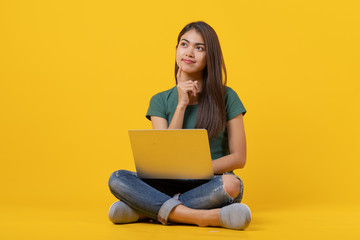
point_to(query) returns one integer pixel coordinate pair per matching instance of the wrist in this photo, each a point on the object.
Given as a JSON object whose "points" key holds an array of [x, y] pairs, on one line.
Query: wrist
{"points": [[181, 107]]}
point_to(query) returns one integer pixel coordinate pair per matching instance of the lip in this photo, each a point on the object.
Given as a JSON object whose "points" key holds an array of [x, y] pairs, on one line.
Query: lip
{"points": [[188, 61]]}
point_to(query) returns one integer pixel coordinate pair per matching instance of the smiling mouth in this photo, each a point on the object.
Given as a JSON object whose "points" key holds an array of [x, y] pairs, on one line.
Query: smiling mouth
{"points": [[187, 61]]}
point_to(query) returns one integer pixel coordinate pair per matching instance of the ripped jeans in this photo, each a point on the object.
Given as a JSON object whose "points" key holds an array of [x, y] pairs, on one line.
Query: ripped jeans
{"points": [[155, 198]]}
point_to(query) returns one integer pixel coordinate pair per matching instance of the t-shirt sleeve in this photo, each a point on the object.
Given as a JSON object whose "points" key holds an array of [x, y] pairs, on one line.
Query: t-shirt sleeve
{"points": [[156, 107], [234, 106]]}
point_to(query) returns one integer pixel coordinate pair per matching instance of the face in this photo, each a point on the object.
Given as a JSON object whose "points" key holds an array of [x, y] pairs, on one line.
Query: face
{"points": [[191, 52]]}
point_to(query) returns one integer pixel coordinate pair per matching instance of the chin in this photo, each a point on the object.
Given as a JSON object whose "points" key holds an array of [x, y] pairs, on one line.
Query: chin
{"points": [[189, 69]]}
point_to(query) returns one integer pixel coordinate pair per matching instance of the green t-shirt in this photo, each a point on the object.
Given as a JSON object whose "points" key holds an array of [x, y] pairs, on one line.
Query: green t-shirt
{"points": [[164, 105]]}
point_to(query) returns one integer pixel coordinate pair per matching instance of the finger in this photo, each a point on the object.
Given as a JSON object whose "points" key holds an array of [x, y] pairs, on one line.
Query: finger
{"points": [[196, 85], [190, 84], [190, 88], [178, 75]]}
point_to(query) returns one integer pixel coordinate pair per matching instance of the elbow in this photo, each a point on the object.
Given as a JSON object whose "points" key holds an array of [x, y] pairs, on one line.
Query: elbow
{"points": [[241, 161]]}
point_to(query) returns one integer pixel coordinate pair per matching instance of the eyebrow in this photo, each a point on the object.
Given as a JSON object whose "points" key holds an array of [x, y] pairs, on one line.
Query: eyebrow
{"points": [[183, 39]]}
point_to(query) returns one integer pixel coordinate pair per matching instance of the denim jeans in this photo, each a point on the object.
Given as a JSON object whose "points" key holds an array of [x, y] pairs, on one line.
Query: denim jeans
{"points": [[156, 198]]}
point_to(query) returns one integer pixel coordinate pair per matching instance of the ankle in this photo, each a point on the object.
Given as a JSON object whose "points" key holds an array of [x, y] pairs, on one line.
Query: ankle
{"points": [[209, 218]]}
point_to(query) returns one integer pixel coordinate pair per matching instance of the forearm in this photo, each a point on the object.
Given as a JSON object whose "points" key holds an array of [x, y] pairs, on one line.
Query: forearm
{"points": [[178, 118], [228, 163]]}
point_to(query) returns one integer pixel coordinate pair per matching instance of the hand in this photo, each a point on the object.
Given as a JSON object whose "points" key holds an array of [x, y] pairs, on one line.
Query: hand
{"points": [[186, 89]]}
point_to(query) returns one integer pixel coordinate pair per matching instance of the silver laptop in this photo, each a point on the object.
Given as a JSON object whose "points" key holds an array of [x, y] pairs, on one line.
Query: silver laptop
{"points": [[172, 154]]}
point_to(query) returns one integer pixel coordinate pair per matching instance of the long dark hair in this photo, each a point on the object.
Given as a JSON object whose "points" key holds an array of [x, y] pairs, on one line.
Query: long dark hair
{"points": [[211, 113]]}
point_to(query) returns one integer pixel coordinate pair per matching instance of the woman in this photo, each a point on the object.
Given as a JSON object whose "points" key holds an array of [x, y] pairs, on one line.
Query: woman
{"points": [[199, 100]]}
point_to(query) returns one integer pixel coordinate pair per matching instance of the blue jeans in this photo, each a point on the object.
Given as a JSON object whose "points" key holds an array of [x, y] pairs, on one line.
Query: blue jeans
{"points": [[156, 198]]}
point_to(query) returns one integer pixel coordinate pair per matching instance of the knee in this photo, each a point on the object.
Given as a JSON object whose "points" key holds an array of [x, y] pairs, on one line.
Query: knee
{"points": [[121, 174], [232, 185], [116, 178]]}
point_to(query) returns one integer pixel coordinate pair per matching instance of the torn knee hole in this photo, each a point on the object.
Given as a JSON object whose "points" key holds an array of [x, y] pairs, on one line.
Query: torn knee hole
{"points": [[231, 185]]}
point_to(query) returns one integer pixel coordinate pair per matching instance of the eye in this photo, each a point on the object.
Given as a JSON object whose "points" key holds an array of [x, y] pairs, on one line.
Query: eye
{"points": [[183, 44], [200, 48]]}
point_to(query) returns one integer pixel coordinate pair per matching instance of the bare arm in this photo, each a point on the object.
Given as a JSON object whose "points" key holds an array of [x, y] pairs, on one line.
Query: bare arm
{"points": [[184, 90], [159, 122], [176, 122], [237, 146]]}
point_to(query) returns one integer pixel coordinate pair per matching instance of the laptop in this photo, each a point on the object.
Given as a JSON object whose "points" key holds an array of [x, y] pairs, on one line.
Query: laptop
{"points": [[171, 154]]}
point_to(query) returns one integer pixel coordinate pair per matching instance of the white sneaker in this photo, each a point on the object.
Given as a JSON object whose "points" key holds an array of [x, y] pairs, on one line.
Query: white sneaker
{"points": [[235, 216], [120, 212]]}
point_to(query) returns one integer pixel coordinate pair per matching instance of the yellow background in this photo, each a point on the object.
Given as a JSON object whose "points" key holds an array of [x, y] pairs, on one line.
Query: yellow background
{"points": [[76, 75]]}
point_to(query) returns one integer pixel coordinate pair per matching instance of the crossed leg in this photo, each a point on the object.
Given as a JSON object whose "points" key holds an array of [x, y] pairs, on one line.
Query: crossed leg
{"points": [[206, 217], [200, 205]]}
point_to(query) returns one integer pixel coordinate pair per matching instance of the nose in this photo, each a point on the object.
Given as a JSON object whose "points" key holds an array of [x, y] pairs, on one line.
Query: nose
{"points": [[190, 52]]}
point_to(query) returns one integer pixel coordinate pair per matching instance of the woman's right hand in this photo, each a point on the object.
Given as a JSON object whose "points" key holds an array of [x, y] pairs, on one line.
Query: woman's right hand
{"points": [[186, 89]]}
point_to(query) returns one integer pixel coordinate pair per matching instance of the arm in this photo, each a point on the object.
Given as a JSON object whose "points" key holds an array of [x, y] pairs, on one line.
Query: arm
{"points": [[237, 146], [176, 122], [159, 122], [184, 90]]}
